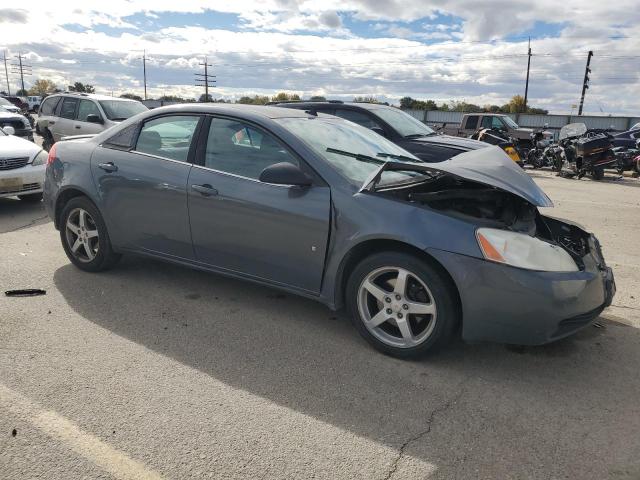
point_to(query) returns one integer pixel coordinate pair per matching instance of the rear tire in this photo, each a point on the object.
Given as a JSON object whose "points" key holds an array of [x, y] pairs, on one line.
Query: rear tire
{"points": [[84, 236], [406, 319], [32, 198], [47, 140], [597, 173]]}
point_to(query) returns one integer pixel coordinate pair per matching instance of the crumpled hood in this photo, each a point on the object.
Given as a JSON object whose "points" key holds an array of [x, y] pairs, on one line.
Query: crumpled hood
{"points": [[461, 143], [13, 147], [492, 166], [489, 166]]}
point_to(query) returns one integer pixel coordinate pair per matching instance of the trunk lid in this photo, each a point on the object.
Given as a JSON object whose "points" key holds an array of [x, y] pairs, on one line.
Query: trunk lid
{"points": [[488, 166]]}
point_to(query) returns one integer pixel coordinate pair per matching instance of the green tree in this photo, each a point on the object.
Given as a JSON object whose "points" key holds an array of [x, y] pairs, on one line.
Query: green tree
{"points": [[205, 98], [255, 100], [82, 88], [22, 93], [42, 87], [317, 98], [366, 99], [516, 104], [285, 97]]}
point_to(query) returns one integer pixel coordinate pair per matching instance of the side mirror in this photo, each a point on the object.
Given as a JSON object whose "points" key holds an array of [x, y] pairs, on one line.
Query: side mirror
{"points": [[285, 173], [9, 130], [93, 118]]}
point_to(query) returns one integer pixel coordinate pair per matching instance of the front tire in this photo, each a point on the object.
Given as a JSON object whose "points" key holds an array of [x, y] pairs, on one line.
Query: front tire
{"points": [[84, 236], [401, 304]]}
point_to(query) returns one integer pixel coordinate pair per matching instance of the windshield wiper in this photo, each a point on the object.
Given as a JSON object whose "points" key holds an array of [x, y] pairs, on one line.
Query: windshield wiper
{"points": [[358, 156], [370, 159], [403, 158]]}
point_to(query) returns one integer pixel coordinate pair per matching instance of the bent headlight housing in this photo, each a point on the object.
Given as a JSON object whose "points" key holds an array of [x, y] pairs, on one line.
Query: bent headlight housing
{"points": [[40, 158], [522, 251]]}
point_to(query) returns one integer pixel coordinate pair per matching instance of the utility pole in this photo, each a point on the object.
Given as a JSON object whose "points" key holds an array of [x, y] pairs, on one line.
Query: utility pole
{"points": [[585, 82], [202, 79], [526, 87], [6, 73], [22, 69], [144, 71]]}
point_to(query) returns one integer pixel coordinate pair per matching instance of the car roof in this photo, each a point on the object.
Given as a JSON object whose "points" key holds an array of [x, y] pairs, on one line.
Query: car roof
{"points": [[91, 96], [333, 103], [264, 111]]}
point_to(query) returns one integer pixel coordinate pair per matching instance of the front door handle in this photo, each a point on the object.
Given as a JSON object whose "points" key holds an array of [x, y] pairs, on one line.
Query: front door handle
{"points": [[108, 167], [78, 127], [205, 190]]}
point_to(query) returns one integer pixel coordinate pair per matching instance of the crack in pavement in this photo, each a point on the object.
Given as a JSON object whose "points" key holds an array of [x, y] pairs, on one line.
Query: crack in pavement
{"points": [[30, 224], [442, 408]]}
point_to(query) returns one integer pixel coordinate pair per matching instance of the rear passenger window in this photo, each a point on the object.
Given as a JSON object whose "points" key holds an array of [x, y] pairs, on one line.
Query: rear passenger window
{"points": [[168, 137], [49, 106], [69, 108], [241, 149]]}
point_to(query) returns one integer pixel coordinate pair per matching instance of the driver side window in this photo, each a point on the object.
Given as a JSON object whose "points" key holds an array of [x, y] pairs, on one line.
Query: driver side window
{"points": [[241, 149]]}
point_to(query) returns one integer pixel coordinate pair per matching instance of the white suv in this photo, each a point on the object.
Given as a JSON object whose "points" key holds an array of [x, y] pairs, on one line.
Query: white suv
{"points": [[69, 114]]}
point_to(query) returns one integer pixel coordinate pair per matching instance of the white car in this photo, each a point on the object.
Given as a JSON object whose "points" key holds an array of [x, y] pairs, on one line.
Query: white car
{"points": [[22, 167]]}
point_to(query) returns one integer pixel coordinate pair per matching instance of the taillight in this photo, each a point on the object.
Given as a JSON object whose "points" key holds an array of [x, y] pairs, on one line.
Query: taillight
{"points": [[52, 154]]}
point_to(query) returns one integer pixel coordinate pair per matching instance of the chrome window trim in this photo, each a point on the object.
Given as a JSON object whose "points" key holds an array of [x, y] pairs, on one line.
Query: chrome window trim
{"points": [[255, 180]]}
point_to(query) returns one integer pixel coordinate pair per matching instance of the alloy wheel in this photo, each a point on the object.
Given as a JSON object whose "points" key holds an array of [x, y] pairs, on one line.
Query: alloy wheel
{"points": [[81, 234], [397, 307]]}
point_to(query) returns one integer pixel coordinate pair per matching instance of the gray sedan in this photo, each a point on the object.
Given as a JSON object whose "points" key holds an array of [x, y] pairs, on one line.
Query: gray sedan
{"points": [[324, 208]]}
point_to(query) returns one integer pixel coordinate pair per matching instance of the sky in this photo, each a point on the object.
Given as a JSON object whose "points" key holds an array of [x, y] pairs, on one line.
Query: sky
{"points": [[461, 50]]}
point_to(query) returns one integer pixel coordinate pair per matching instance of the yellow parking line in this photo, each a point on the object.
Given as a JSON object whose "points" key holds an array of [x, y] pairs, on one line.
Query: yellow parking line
{"points": [[89, 446]]}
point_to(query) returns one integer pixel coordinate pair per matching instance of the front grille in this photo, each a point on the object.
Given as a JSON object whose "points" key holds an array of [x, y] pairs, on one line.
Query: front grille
{"points": [[11, 163], [25, 188]]}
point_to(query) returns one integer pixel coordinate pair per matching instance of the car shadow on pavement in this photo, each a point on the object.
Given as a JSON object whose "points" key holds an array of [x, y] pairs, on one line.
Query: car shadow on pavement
{"points": [[555, 405], [16, 214]]}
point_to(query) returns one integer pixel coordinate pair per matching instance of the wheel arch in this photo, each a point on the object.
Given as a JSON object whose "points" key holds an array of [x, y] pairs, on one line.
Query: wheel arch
{"points": [[370, 247], [64, 197]]}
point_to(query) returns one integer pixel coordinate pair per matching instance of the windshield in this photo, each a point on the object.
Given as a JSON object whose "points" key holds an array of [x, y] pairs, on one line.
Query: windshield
{"points": [[322, 133], [402, 122], [121, 109], [572, 130], [510, 123]]}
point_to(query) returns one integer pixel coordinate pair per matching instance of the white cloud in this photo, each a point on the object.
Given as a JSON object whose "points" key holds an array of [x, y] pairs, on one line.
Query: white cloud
{"points": [[305, 46]]}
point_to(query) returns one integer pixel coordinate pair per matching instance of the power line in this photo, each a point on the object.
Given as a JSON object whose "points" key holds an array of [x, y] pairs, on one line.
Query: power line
{"points": [[6, 73], [22, 69], [585, 83], [203, 79]]}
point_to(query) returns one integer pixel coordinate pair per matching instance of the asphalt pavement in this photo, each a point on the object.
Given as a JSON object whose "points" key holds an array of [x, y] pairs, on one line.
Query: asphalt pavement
{"points": [[155, 371]]}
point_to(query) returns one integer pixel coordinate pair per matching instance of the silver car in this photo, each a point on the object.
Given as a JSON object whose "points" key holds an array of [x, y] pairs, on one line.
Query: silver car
{"points": [[69, 114]]}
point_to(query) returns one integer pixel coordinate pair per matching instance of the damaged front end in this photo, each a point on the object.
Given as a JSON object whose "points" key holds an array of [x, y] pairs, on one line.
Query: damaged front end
{"points": [[533, 278]]}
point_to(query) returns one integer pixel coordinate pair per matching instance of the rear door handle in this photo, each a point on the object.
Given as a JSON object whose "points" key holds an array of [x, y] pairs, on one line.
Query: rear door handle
{"points": [[51, 123], [78, 126], [205, 190], [108, 167]]}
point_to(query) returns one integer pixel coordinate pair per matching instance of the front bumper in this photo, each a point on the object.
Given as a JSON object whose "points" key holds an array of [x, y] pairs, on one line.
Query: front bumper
{"points": [[511, 305], [22, 181]]}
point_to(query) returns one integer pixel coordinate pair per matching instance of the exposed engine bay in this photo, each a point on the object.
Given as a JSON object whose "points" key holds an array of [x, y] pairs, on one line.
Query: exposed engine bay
{"points": [[491, 207]]}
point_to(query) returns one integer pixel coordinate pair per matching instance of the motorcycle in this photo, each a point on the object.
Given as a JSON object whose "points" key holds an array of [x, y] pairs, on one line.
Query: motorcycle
{"points": [[496, 137], [626, 157], [585, 152], [543, 152]]}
